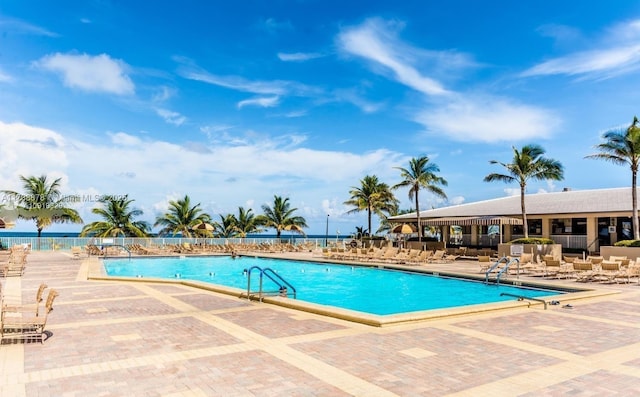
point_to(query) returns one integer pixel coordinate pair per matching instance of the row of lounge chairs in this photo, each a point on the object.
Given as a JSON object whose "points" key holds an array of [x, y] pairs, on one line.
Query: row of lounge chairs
{"points": [[14, 261], [590, 269], [388, 255], [189, 248], [26, 322]]}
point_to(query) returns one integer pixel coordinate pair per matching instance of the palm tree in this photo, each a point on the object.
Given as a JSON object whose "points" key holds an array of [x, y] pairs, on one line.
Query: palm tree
{"points": [[528, 164], [623, 147], [281, 215], [227, 227], [43, 203], [421, 174], [372, 196], [118, 220], [247, 222], [181, 218]]}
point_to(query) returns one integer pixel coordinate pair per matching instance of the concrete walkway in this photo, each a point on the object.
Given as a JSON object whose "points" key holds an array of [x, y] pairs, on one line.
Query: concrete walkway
{"points": [[144, 339]]}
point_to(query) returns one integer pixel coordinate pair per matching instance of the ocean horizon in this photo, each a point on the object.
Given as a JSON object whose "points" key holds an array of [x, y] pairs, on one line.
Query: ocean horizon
{"points": [[284, 235]]}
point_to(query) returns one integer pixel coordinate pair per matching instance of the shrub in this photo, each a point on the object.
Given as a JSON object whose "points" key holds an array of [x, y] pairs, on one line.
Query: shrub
{"points": [[627, 243], [532, 240]]}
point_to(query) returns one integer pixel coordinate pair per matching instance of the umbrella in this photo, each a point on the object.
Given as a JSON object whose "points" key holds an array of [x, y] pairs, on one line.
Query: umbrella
{"points": [[404, 228], [203, 227], [294, 228]]}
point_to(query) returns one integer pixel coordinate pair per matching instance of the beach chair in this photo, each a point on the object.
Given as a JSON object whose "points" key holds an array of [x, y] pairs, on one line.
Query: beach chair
{"points": [[485, 263], [27, 328], [29, 307]]}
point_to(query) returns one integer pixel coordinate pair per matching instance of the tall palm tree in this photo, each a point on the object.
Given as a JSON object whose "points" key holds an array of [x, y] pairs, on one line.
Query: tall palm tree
{"points": [[528, 164], [622, 147], [372, 196], [227, 227], [281, 215], [43, 203], [247, 222], [421, 174], [118, 220], [181, 217]]}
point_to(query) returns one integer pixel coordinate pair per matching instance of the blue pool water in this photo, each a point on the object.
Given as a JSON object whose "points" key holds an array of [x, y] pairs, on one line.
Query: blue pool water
{"points": [[365, 289]]}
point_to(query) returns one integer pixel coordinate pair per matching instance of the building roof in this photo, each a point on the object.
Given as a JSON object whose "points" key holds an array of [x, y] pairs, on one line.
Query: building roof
{"points": [[565, 202]]}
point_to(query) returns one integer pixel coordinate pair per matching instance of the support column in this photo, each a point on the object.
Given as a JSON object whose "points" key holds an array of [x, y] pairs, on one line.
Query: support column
{"points": [[592, 233]]}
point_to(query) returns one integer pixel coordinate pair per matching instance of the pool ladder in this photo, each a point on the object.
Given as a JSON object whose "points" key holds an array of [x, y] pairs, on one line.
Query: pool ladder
{"points": [[500, 271], [284, 288]]}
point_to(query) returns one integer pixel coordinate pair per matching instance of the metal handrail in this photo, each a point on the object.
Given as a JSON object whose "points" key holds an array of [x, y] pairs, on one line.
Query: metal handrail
{"points": [[521, 297], [506, 267], [273, 276], [486, 275], [116, 245]]}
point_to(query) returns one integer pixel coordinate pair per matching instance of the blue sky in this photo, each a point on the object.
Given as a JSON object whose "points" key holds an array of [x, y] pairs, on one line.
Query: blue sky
{"points": [[235, 102]]}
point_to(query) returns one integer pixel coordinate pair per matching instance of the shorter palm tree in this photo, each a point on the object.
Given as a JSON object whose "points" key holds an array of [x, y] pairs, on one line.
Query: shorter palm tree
{"points": [[182, 218], [372, 196], [281, 215], [118, 220], [247, 222], [43, 203], [227, 227]]}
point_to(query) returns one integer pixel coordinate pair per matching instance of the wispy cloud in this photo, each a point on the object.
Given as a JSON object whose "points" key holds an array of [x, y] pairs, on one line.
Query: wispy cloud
{"points": [[98, 73], [377, 42], [171, 117], [21, 27], [354, 98], [264, 102], [4, 77], [488, 119], [616, 52], [298, 56]]}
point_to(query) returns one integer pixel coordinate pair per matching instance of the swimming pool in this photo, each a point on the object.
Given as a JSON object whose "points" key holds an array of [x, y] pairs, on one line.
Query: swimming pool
{"points": [[364, 289]]}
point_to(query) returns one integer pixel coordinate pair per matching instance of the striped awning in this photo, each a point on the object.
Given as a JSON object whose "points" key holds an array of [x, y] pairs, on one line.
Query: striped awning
{"points": [[472, 220]]}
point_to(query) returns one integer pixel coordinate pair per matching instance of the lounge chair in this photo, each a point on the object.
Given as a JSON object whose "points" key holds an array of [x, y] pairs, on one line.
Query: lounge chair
{"points": [[27, 328], [76, 252], [437, 257], [485, 263], [584, 271], [608, 271], [633, 270], [29, 307]]}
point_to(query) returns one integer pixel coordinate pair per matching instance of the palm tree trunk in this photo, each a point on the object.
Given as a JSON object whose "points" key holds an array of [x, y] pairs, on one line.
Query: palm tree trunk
{"points": [[634, 203], [369, 219], [418, 219], [525, 224]]}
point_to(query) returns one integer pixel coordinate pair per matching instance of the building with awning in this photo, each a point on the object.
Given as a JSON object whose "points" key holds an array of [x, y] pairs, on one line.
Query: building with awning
{"points": [[578, 219]]}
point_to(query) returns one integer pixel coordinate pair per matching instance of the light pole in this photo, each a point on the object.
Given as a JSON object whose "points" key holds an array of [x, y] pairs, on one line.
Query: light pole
{"points": [[326, 233]]}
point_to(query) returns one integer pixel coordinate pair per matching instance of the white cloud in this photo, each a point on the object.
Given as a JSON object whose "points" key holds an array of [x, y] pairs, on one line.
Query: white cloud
{"points": [[298, 56], [228, 175], [236, 82], [98, 73], [376, 42], [264, 102], [124, 139], [171, 117], [616, 52], [28, 150], [22, 27], [600, 63], [488, 119]]}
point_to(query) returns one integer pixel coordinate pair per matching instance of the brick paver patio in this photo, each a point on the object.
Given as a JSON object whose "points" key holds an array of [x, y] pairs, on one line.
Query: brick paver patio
{"points": [[113, 338]]}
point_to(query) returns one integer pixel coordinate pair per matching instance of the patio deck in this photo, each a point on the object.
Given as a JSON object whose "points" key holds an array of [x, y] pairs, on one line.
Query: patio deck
{"points": [[110, 338]]}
